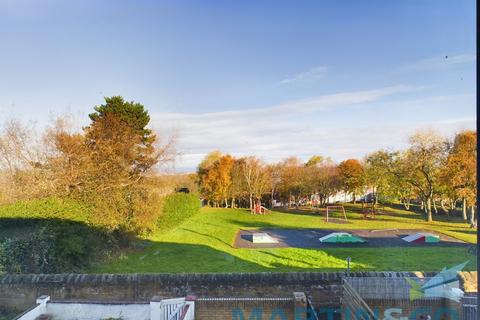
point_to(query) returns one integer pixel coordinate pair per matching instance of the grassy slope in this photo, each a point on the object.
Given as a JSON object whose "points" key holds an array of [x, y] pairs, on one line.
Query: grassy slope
{"points": [[204, 244]]}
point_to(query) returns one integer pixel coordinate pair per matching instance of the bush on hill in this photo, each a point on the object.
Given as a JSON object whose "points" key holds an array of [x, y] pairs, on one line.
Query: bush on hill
{"points": [[50, 235], [52, 246], [178, 207]]}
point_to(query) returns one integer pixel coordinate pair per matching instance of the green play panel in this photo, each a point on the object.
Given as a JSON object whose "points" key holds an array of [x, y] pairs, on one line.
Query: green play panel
{"points": [[341, 237]]}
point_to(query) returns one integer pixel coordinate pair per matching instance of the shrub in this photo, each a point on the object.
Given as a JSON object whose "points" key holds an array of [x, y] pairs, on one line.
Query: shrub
{"points": [[178, 207], [134, 210], [27, 255], [54, 246]]}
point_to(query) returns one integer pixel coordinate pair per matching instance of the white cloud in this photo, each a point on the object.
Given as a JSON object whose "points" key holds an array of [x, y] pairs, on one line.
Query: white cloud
{"points": [[309, 75], [441, 61], [298, 128], [305, 105]]}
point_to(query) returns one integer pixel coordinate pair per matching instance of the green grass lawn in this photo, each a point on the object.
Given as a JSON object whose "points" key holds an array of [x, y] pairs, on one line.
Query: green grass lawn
{"points": [[204, 243]]}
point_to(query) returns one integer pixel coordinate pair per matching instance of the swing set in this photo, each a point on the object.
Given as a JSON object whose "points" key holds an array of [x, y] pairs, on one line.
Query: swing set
{"points": [[370, 209]]}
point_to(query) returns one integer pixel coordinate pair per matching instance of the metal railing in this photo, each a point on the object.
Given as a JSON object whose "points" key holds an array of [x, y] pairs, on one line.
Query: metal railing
{"points": [[355, 304], [469, 308]]}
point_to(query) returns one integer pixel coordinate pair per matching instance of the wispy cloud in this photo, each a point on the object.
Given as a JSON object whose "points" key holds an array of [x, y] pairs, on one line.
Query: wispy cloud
{"points": [[296, 127], [441, 61], [309, 75], [322, 102], [286, 138]]}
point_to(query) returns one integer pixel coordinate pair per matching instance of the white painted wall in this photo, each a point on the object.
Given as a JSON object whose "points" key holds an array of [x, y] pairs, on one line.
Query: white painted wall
{"points": [[32, 314], [155, 310], [340, 197], [89, 311], [38, 310]]}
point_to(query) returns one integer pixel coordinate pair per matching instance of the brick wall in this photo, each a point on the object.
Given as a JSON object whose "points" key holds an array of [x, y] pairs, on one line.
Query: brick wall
{"points": [[229, 309], [415, 308]]}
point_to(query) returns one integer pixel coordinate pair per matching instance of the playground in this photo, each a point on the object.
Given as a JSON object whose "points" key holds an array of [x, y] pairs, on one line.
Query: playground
{"points": [[309, 238], [211, 241]]}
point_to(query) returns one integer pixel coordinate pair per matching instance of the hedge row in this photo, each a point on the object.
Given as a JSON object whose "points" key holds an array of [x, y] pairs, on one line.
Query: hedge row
{"points": [[47, 208], [178, 207]]}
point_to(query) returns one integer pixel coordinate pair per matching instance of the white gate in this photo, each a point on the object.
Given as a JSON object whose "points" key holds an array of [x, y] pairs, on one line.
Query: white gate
{"points": [[176, 309]]}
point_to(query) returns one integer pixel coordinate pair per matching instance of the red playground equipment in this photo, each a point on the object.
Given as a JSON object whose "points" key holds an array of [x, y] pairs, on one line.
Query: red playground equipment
{"points": [[258, 208]]}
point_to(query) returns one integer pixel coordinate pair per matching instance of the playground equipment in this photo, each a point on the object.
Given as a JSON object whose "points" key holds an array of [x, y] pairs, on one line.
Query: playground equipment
{"points": [[371, 209], [262, 237], [337, 208], [341, 237], [259, 209], [422, 238]]}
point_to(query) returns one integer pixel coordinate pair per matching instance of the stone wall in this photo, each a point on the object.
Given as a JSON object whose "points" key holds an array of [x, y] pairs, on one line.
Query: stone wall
{"points": [[20, 291], [324, 289]]}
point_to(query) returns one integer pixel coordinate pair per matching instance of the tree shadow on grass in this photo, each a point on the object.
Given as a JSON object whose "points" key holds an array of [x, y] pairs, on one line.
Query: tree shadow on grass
{"points": [[20, 227], [436, 217], [208, 236], [302, 212], [92, 244], [163, 257], [472, 232], [354, 213], [386, 211], [414, 213], [258, 224], [288, 259], [35, 245], [172, 257]]}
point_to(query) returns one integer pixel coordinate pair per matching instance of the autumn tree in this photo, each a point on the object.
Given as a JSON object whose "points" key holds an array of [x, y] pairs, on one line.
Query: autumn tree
{"points": [[460, 170], [257, 178], [322, 177], [209, 160], [314, 161], [292, 179], [109, 165], [238, 188], [351, 176], [220, 177], [263, 184], [22, 163], [376, 173], [205, 182], [69, 158], [420, 165], [399, 187], [275, 180]]}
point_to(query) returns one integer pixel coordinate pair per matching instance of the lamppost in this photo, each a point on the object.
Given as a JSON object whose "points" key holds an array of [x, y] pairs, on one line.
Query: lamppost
{"points": [[348, 266]]}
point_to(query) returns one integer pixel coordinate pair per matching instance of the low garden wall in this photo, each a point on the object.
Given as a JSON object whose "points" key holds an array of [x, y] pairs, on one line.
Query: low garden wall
{"points": [[19, 292]]}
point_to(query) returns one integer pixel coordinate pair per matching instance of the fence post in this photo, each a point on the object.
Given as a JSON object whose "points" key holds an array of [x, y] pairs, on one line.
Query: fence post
{"points": [[190, 300], [155, 313], [299, 305], [42, 302]]}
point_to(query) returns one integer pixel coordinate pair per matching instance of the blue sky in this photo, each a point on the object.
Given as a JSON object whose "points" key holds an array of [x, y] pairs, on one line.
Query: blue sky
{"points": [[271, 78]]}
